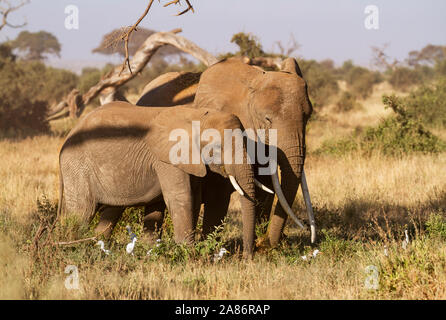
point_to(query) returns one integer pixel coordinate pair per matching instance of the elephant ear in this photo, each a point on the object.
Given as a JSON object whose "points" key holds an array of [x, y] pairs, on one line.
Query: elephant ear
{"points": [[290, 65], [171, 131]]}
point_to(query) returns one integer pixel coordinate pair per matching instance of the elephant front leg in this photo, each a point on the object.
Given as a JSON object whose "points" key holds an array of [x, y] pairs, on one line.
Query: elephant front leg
{"points": [[177, 194]]}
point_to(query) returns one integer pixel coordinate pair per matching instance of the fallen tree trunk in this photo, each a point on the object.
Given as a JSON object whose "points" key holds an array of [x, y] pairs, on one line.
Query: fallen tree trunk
{"points": [[74, 103]]}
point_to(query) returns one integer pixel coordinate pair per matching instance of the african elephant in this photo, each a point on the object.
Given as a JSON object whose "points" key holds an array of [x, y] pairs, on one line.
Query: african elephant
{"points": [[121, 155], [262, 100]]}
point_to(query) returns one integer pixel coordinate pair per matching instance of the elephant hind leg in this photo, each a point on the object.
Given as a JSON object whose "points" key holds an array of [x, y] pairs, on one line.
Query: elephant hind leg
{"points": [[79, 203], [109, 217]]}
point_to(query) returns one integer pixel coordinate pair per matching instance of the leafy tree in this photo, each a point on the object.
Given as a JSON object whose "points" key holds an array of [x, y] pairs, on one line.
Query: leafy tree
{"points": [[403, 78], [430, 54], [360, 81], [428, 104], [36, 45], [19, 113], [248, 45], [321, 81]]}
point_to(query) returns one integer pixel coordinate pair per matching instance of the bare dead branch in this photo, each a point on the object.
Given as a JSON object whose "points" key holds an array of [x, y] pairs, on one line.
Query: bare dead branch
{"points": [[4, 12], [127, 35], [189, 6], [64, 243], [128, 32], [74, 103], [381, 59]]}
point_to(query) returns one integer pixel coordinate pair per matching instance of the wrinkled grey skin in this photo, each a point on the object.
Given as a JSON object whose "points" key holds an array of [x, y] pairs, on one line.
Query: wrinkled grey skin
{"points": [[261, 100], [118, 156]]}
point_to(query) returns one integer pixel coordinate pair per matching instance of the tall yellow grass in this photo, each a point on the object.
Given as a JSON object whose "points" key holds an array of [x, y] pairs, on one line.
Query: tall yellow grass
{"points": [[345, 188]]}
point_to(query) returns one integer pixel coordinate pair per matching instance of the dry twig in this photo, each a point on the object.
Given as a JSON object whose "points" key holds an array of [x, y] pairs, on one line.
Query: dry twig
{"points": [[64, 243], [4, 12], [127, 35], [189, 6], [128, 31]]}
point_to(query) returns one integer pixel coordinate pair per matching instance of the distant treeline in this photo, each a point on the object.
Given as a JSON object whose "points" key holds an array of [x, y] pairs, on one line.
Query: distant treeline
{"points": [[28, 87]]}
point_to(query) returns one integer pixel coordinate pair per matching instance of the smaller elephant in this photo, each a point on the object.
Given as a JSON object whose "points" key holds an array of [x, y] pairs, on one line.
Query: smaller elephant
{"points": [[120, 155]]}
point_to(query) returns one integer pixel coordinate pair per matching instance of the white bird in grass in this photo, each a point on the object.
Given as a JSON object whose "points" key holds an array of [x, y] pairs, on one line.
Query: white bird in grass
{"points": [[406, 239], [130, 246], [313, 255], [133, 239], [220, 254], [101, 244]]}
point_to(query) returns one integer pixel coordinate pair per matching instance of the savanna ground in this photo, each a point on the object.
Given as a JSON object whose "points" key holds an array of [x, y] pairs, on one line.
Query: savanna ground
{"points": [[363, 204]]}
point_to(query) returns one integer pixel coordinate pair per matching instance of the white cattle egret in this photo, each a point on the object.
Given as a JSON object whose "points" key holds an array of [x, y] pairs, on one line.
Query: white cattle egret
{"points": [[220, 254], [130, 246], [406, 240], [102, 246]]}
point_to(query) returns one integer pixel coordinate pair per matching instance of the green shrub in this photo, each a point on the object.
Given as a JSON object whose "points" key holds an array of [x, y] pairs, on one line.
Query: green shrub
{"points": [[88, 78], [428, 104], [440, 68], [436, 226], [321, 81], [403, 78], [396, 135], [360, 81], [20, 113]]}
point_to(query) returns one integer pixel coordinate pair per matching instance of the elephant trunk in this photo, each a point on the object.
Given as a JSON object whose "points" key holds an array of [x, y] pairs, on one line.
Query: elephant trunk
{"points": [[243, 177], [291, 157]]}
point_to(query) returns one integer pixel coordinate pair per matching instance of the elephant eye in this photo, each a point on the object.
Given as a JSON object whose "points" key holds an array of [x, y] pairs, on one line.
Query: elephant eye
{"points": [[269, 120]]}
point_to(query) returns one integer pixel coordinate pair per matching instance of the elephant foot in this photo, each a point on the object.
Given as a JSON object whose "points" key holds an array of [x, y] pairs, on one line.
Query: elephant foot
{"points": [[109, 216]]}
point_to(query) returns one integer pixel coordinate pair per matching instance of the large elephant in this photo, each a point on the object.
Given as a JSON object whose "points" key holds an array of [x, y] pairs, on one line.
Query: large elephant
{"points": [[121, 155], [262, 100]]}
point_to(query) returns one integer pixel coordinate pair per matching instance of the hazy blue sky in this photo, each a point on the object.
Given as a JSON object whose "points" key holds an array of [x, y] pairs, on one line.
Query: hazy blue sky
{"points": [[324, 28]]}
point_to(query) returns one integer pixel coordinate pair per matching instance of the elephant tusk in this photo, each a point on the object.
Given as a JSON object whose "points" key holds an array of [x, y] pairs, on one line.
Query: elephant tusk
{"points": [[283, 201], [263, 187], [306, 195], [235, 185]]}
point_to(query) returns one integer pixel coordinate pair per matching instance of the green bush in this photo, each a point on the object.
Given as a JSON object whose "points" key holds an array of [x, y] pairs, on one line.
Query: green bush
{"points": [[403, 78], [26, 91], [396, 135], [360, 81], [436, 226], [20, 113], [428, 104], [321, 81], [88, 78]]}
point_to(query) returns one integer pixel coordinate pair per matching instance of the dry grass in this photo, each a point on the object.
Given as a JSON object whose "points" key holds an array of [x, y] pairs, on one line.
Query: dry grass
{"points": [[362, 204]]}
